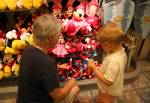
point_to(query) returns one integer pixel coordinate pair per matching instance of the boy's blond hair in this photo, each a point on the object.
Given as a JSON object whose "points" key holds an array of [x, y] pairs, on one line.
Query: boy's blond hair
{"points": [[110, 32]]}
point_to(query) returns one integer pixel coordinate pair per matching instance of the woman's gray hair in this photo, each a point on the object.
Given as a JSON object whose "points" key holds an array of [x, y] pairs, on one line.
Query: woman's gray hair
{"points": [[45, 26]]}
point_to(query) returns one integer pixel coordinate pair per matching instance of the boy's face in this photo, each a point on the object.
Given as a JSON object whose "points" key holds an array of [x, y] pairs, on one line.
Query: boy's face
{"points": [[106, 46]]}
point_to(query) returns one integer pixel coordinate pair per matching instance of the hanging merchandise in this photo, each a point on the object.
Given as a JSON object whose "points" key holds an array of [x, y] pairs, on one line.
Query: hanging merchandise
{"points": [[12, 4], [142, 18], [3, 5], [120, 11], [27, 4], [37, 3]]}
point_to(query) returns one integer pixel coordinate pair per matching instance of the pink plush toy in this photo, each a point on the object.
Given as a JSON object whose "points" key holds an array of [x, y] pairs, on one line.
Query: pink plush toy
{"points": [[77, 23], [92, 19], [60, 49], [57, 8], [85, 4]]}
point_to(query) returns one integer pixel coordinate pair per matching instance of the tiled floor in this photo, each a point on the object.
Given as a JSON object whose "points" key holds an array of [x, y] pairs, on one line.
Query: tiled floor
{"points": [[136, 92]]}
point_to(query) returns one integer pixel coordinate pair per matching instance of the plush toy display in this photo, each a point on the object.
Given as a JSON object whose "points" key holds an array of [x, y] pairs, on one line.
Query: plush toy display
{"points": [[77, 43], [3, 5]]}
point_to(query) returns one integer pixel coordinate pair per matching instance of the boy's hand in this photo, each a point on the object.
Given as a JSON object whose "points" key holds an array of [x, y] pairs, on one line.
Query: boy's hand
{"points": [[91, 65], [71, 83]]}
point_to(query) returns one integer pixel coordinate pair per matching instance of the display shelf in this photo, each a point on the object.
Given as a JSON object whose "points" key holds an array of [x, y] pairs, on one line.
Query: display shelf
{"points": [[11, 91], [17, 10]]}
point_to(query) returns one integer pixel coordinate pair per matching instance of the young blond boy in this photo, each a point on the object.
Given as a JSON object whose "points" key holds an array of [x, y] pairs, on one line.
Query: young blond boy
{"points": [[111, 73]]}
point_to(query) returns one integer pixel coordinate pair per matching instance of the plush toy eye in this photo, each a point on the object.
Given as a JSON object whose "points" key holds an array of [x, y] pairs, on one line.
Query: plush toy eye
{"points": [[80, 15]]}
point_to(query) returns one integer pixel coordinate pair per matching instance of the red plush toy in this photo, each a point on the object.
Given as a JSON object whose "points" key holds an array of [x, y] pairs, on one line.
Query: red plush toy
{"points": [[69, 45], [57, 8], [69, 12]]}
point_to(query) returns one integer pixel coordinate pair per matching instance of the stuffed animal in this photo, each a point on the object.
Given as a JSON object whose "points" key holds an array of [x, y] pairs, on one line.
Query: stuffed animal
{"points": [[77, 23], [27, 3], [19, 4], [10, 36], [69, 12], [45, 2], [2, 44], [7, 71], [8, 59], [11, 50], [18, 44], [12, 4], [60, 49], [92, 19], [15, 68], [57, 8], [24, 35], [2, 74], [37, 3], [85, 5], [3, 5], [31, 40]]}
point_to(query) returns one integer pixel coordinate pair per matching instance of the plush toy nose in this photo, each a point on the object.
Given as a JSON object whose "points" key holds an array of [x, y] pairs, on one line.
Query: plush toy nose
{"points": [[80, 15]]}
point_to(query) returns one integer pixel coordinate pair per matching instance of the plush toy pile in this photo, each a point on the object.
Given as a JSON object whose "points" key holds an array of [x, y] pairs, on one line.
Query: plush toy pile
{"points": [[76, 45]]}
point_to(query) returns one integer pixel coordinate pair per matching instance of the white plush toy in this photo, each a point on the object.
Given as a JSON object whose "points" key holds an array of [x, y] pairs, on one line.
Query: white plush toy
{"points": [[11, 35]]}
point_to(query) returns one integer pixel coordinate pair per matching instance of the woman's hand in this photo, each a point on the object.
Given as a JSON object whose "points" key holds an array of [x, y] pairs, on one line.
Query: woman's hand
{"points": [[62, 66]]}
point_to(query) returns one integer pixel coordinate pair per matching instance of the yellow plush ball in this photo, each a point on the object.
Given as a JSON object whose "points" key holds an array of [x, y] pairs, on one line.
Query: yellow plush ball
{"points": [[12, 4], [31, 40], [27, 4], [7, 71], [18, 44], [3, 5], [2, 74], [11, 50], [2, 46], [16, 73], [37, 3], [7, 74]]}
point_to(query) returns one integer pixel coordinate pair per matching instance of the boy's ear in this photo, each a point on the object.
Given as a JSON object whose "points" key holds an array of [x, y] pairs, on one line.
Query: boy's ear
{"points": [[106, 43]]}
